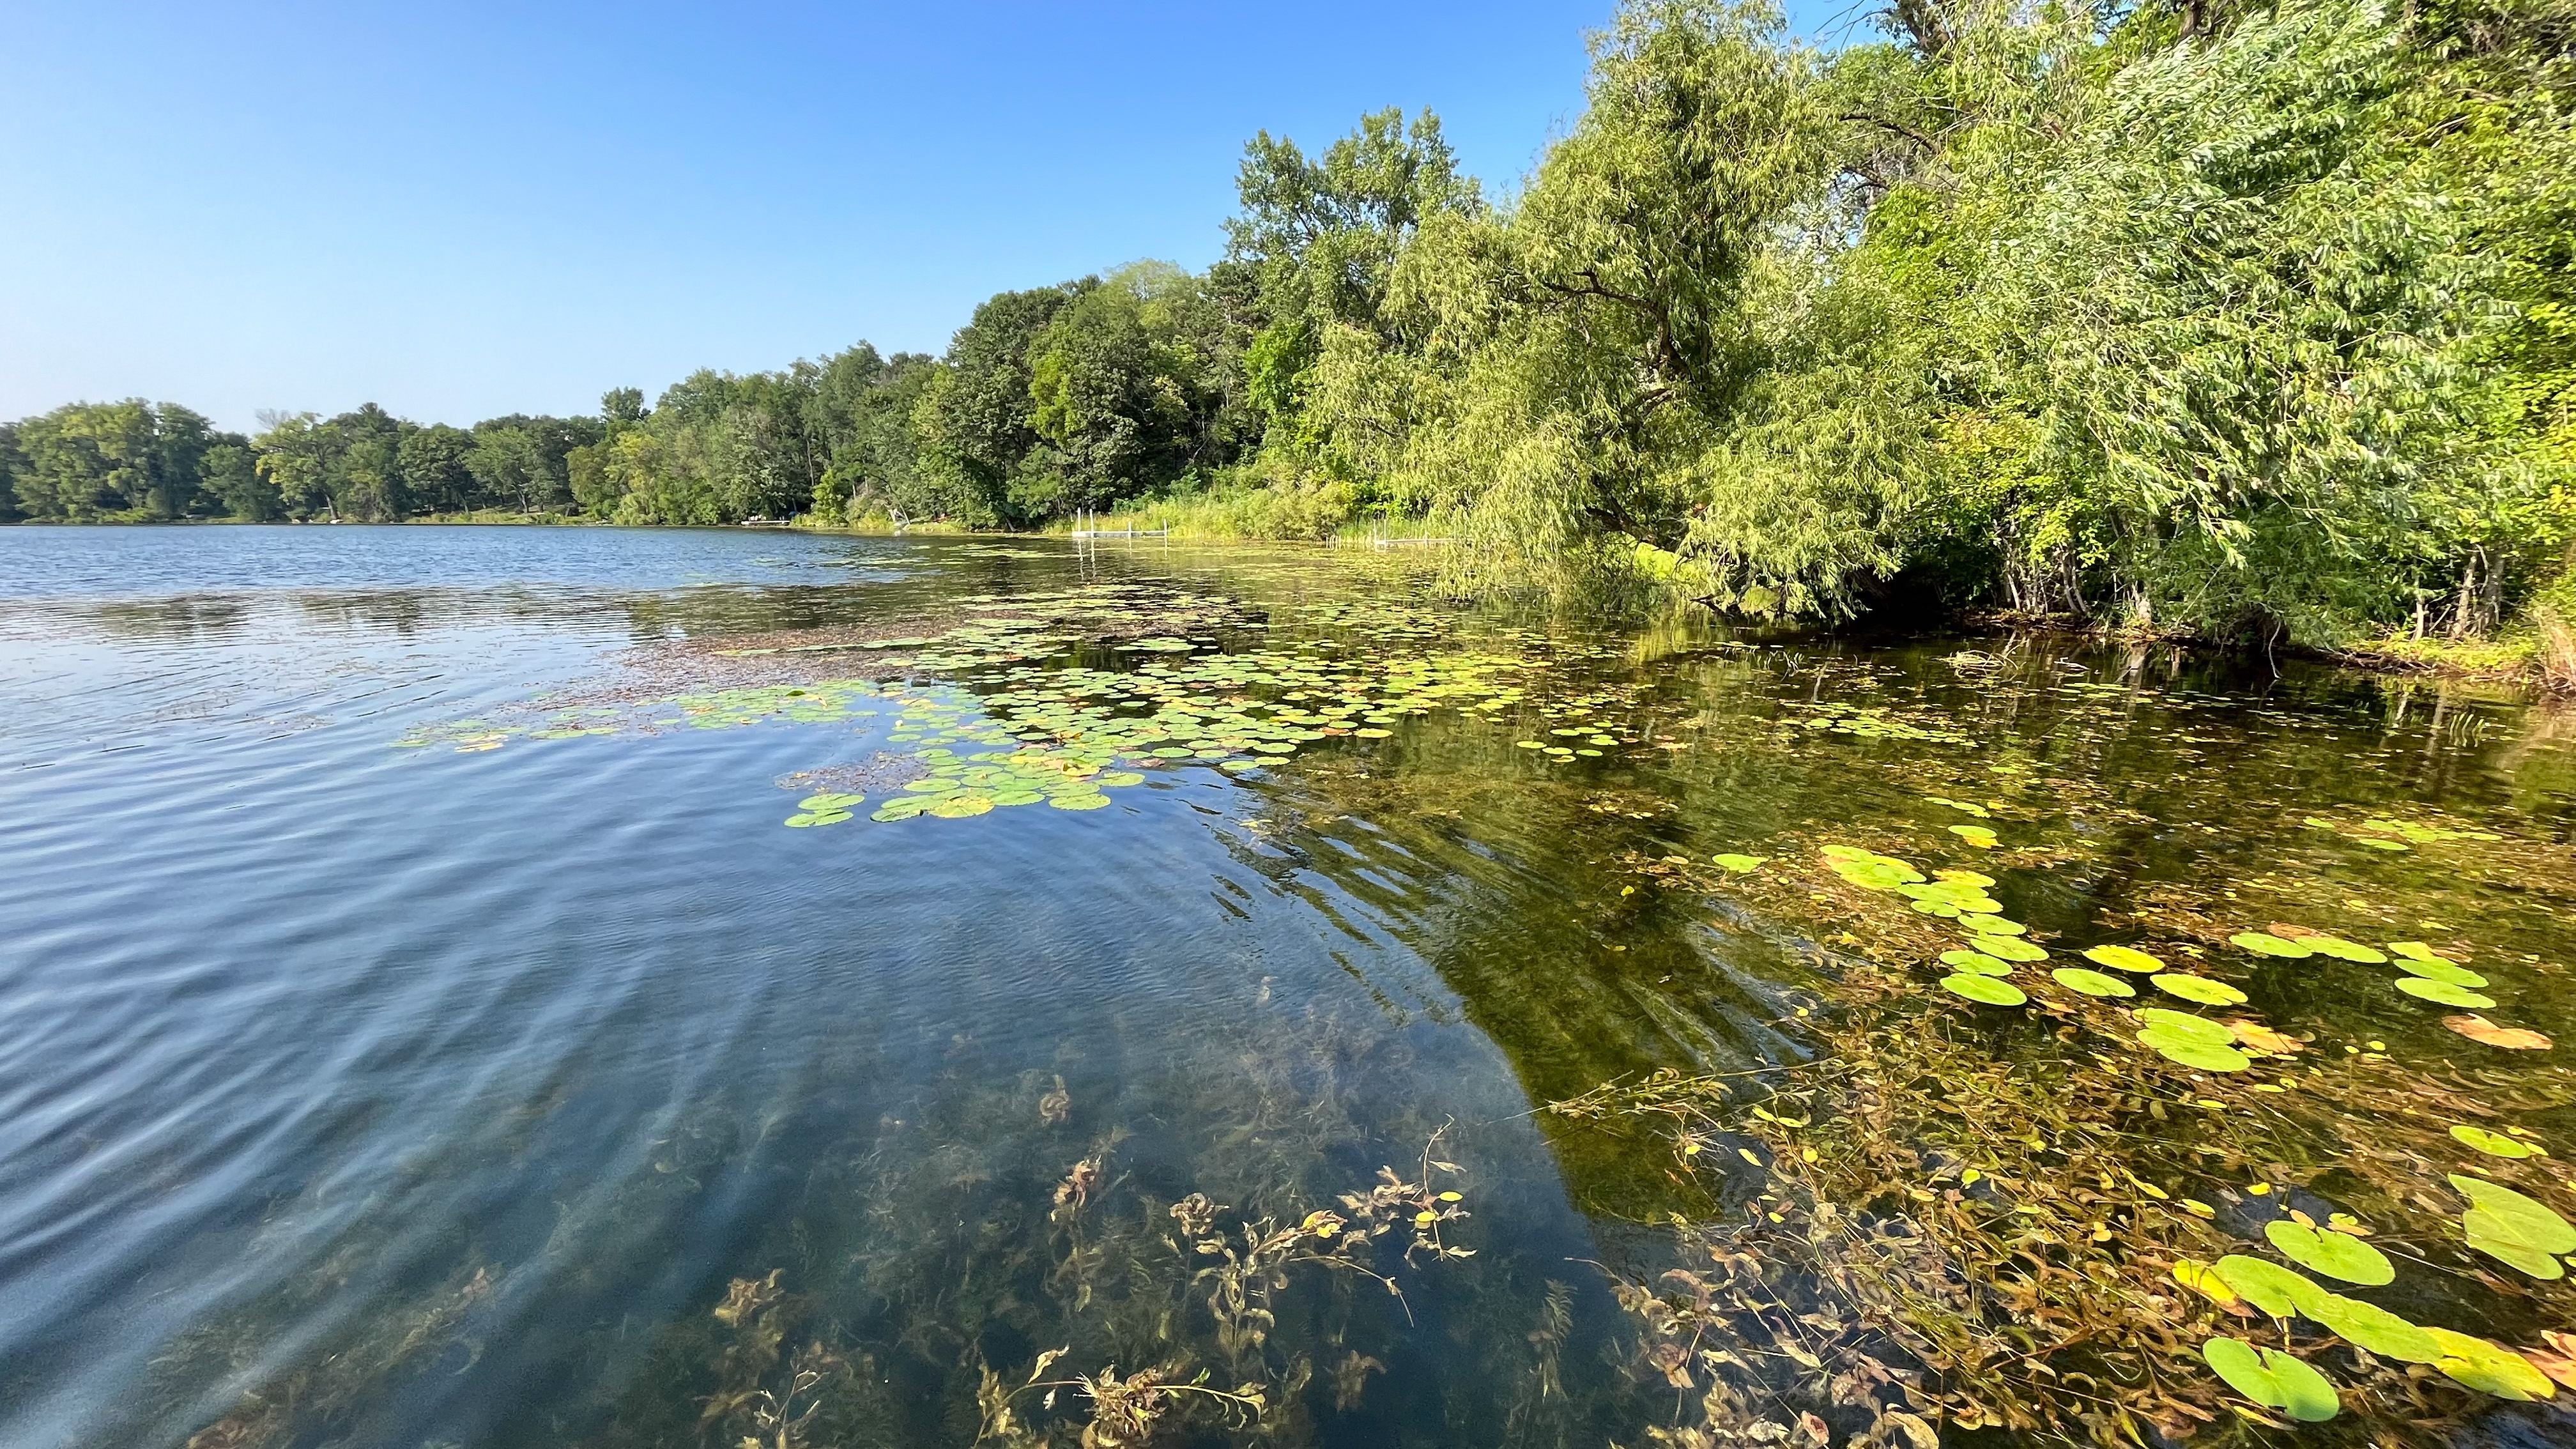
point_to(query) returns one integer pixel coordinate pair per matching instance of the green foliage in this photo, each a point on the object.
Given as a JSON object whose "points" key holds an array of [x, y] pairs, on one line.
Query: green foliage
{"points": [[2252, 322]]}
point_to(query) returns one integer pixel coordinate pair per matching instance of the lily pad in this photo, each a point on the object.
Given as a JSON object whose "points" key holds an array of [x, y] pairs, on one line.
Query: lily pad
{"points": [[2197, 988], [2185, 1026], [960, 807], [2372, 1327], [2343, 950], [2273, 1379], [2416, 951], [2514, 1229], [2123, 958], [1741, 864], [2337, 1255], [2264, 943], [2443, 993], [2012, 948], [1987, 989], [2091, 983], [1985, 925], [2495, 1144], [1975, 963], [1976, 835], [2438, 969], [2268, 1286], [2194, 1054], [1071, 801], [2489, 1368]]}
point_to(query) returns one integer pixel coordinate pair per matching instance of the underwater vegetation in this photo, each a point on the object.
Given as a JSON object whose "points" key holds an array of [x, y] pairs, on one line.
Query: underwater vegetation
{"points": [[2130, 1088]]}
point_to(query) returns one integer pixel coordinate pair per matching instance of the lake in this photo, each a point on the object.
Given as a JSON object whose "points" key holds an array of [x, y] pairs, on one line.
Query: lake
{"points": [[615, 987]]}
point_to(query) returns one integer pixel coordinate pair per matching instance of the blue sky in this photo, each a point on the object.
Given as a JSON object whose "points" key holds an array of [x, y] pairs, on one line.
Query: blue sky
{"points": [[460, 210]]}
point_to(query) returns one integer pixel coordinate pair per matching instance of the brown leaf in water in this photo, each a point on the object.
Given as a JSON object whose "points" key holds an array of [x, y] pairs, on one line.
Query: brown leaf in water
{"points": [[2511, 1038], [2558, 1366], [2264, 1039]]}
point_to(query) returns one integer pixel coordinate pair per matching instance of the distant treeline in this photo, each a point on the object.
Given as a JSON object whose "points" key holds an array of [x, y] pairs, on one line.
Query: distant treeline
{"points": [[2249, 319]]}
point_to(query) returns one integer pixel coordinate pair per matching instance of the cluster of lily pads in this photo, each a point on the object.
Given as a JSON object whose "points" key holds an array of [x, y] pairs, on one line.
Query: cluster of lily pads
{"points": [[2500, 1222]]}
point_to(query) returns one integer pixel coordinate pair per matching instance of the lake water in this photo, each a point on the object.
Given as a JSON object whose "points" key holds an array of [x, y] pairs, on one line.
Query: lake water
{"points": [[607, 987]]}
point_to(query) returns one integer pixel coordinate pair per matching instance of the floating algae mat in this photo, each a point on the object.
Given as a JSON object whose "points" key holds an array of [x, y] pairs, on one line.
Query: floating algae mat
{"points": [[1036, 996]]}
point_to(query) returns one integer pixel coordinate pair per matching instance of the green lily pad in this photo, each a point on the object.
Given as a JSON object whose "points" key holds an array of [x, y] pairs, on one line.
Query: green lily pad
{"points": [[1975, 963], [2012, 948], [1988, 989], [2416, 951], [1088, 800], [2443, 993], [2343, 950], [2438, 969], [1985, 925], [2263, 943], [2372, 1327], [829, 801], [1976, 835], [2489, 1368], [2273, 1379], [1740, 864], [2123, 958], [2091, 983], [2185, 1026], [2197, 988], [2514, 1229], [2268, 1286], [2197, 1055], [2495, 1144], [2337, 1255], [960, 807]]}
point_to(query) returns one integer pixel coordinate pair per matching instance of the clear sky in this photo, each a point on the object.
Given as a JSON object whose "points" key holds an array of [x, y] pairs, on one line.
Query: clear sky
{"points": [[460, 210]]}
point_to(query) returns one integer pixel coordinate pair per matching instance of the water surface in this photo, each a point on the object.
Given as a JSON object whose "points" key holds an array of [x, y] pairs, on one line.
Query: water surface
{"points": [[419, 1026]]}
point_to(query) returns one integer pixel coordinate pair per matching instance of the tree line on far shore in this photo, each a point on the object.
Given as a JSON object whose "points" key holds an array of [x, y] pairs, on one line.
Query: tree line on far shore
{"points": [[2234, 318]]}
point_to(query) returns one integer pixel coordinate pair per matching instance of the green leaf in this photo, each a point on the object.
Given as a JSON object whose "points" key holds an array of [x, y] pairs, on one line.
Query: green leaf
{"points": [[2011, 948], [1740, 864], [2269, 1286], [2495, 1144], [2183, 1024], [2489, 1368], [2263, 943], [1975, 963], [2343, 950], [2273, 1379], [1984, 988], [2197, 988], [2372, 1327], [2441, 970], [2443, 993], [2092, 983], [2123, 958], [2337, 1255], [2514, 1229]]}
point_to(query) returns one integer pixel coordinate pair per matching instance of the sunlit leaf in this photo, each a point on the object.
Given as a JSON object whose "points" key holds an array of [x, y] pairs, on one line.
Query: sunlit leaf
{"points": [[2123, 958], [2273, 1379], [1987, 989], [2091, 983], [2495, 1144], [2197, 988], [2337, 1255], [2489, 1368]]}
